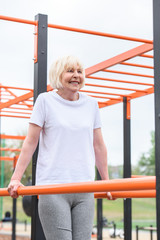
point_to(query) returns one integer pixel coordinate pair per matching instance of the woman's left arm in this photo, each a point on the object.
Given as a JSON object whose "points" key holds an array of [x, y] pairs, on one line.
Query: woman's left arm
{"points": [[100, 154]]}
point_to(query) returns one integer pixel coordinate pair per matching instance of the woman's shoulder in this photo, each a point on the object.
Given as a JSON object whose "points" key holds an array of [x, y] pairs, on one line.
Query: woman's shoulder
{"points": [[44, 95], [89, 98]]}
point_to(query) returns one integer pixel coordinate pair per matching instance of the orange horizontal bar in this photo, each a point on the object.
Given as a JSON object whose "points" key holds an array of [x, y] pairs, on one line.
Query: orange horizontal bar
{"points": [[119, 88], [10, 149], [129, 194], [17, 88], [117, 80], [3, 136], [128, 73], [15, 116], [130, 54], [16, 100], [76, 30], [6, 158], [126, 184], [22, 112], [97, 96], [102, 34], [146, 55], [102, 104], [107, 93], [138, 94], [18, 20], [140, 176], [18, 108], [136, 65]]}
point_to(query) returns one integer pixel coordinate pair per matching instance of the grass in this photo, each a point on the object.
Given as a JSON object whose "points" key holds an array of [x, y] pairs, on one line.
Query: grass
{"points": [[143, 211]]}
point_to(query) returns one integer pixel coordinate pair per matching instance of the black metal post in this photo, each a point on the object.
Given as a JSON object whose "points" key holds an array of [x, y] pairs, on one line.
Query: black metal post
{"points": [[127, 167], [40, 85], [156, 42], [137, 229], [14, 209], [99, 215], [151, 232]]}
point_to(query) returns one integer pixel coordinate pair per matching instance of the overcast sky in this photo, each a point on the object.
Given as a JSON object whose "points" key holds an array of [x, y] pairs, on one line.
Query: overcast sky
{"points": [[130, 18]]}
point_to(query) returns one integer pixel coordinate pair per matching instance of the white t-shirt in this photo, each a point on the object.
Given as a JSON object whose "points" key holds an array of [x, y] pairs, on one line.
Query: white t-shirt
{"points": [[66, 152]]}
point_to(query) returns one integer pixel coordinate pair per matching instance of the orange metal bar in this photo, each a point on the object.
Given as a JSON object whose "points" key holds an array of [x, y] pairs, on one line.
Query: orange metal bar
{"points": [[36, 44], [15, 116], [3, 136], [12, 94], [16, 100], [133, 96], [10, 149], [102, 104], [119, 88], [129, 194], [146, 55], [15, 161], [107, 93], [17, 88], [118, 80], [138, 94], [19, 20], [6, 158], [128, 73], [136, 65], [97, 96], [140, 176], [128, 112], [77, 30], [30, 109], [99, 33], [126, 184], [119, 58], [15, 112]]}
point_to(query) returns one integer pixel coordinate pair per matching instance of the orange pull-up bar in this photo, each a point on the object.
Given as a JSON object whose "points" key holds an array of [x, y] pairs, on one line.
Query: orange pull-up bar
{"points": [[129, 194], [126, 184], [102, 34]]}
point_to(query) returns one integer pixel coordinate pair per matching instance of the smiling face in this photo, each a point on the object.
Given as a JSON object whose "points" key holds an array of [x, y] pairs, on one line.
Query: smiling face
{"points": [[72, 79]]}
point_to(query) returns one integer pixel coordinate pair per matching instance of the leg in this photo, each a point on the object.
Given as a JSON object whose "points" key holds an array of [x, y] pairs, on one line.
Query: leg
{"points": [[55, 216], [82, 216]]}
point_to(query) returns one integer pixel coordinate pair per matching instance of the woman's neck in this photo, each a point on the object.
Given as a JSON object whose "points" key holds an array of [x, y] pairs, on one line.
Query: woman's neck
{"points": [[71, 96]]}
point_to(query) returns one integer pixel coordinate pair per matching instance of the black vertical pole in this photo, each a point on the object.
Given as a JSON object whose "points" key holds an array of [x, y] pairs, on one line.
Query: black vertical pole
{"points": [[99, 215], [156, 41], [14, 209], [127, 167], [40, 85]]}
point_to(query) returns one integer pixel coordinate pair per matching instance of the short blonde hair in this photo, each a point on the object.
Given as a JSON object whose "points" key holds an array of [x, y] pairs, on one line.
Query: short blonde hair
{"points": [[61, 65]]}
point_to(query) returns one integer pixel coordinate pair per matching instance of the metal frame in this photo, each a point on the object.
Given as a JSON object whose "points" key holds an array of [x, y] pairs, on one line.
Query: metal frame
{"points": [[21, 105], [156, 36], [127, 167], [40, 85]]}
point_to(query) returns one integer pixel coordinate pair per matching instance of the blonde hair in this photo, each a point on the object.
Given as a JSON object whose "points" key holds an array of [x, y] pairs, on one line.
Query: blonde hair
{"points": [[61, 65]]}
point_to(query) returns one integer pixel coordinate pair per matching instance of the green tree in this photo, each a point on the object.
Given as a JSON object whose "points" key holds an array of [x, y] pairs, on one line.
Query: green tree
{"points": [[146, 164]]}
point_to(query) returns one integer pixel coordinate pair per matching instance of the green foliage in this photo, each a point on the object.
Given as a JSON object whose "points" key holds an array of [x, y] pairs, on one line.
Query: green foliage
{"points": [[146, 164]]}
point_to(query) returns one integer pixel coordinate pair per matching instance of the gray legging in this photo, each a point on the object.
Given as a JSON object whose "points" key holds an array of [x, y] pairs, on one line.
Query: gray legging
{"points": [[67, 216]]}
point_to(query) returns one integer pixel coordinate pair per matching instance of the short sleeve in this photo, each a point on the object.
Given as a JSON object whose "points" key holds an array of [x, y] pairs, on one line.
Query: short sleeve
{"points": [[97, 120], [38, 113]]}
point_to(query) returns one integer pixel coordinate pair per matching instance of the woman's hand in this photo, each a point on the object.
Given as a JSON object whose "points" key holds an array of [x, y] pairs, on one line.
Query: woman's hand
{"points": [[13, 187], [109, 196]]}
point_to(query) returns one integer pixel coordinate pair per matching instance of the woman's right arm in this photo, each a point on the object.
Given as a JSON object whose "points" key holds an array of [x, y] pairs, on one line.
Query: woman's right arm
{"points": [[28, 148]]}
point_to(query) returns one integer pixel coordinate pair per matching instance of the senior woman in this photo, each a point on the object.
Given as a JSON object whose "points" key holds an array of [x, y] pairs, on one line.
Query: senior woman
{"points": [[67, 125]]}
